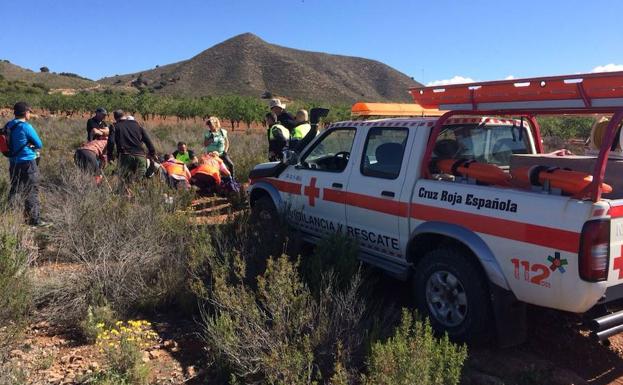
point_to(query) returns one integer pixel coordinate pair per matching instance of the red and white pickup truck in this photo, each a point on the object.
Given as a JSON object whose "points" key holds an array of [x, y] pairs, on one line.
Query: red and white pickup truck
{"points": [[467, 205]]}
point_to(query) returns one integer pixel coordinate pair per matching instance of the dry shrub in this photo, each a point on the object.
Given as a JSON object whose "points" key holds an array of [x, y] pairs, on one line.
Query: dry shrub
{"points": [[279, 333], [129, 253], [17, 252]]}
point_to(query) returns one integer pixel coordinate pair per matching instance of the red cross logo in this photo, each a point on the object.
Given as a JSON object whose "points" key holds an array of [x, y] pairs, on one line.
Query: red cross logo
{"points": [[312, 192], [618, 264]]}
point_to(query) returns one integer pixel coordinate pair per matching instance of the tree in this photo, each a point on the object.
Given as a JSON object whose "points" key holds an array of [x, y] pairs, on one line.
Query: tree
{"points": [[44, 69]]}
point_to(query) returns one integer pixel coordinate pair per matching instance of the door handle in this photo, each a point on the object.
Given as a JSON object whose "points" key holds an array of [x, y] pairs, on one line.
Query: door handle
{"points": [[388, 194], [337, 185]]}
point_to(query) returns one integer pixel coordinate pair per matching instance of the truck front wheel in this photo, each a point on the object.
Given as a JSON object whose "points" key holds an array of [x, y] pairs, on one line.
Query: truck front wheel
{"points": [[453, 293], [264, 210]]}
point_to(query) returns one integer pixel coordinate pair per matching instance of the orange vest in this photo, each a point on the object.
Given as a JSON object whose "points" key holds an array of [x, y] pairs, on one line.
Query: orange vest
{"points": [[209, 167], [175, 167]]}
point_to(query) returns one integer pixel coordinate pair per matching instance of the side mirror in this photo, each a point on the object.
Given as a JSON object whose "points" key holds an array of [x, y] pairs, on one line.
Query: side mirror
{"points": [[290, 158]]}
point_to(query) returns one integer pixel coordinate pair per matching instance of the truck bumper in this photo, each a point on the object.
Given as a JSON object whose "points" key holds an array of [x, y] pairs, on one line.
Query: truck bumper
{"points": [[612, 294]]}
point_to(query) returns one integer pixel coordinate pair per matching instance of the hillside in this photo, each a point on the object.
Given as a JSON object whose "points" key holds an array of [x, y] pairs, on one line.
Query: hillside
{"points": [[247, 65], [49, 80]]}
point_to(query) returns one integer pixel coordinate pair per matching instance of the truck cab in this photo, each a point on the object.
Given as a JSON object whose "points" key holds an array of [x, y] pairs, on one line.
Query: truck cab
{"points": [[441, 201]]}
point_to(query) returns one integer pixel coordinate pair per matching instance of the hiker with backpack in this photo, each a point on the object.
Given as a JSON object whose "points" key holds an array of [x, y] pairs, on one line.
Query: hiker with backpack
{"points": [[20, 143]]}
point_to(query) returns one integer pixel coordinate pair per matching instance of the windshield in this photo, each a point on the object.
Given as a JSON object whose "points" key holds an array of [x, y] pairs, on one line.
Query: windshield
{"points": [[482, 143]]}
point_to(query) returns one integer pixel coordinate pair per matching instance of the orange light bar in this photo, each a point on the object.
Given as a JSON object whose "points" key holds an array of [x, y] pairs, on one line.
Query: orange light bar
{"points": [[596, 90], [363, 109]]}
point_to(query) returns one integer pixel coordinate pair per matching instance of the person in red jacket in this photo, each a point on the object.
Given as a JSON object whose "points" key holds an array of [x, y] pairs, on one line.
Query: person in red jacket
{"points": [[178, 175]]}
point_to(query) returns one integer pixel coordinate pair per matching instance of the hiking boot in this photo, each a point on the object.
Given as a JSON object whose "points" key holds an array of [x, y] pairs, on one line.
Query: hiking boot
{"points": [[40, 224]]}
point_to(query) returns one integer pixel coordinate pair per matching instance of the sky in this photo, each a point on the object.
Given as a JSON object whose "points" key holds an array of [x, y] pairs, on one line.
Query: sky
{"points": [[431, 41]]}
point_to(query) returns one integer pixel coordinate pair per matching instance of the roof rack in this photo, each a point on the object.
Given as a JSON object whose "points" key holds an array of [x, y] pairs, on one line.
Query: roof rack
{"points": [[593, 91], [365, 110]]}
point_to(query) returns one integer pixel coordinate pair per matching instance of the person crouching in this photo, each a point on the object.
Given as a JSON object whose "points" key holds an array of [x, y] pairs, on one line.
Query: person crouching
{"points": [[207, 175], [178, 175], [91, 156]]}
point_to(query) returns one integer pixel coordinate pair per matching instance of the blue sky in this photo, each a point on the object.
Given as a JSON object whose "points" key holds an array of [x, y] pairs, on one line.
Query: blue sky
{"points": [[428, 40]]}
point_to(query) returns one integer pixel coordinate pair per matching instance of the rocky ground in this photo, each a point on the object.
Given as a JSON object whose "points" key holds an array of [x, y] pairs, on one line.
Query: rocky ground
{"points": [[48, 355]]}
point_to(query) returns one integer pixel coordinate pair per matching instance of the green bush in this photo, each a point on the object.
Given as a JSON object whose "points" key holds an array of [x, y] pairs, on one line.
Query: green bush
{"points": [[414, 356], [276, 332], [567, 127], [96, 315], [122, 347], [337, 254]]}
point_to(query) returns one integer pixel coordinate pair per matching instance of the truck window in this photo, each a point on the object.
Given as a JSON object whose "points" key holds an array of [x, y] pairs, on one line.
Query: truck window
{"points": [[331, 153], [482, 143], [383, 152]]}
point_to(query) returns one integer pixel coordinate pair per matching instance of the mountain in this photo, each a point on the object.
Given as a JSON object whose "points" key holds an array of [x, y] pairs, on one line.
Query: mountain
{"points": [[48, 79], [247, 65]]}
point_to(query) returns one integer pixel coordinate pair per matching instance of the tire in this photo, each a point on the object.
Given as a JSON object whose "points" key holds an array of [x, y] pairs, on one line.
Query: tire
{"points": [[264, 210], [453, 293]]}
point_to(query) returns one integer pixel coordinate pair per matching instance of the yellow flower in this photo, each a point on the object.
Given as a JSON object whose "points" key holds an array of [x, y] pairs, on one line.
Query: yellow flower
{"points": [[100, 325]]}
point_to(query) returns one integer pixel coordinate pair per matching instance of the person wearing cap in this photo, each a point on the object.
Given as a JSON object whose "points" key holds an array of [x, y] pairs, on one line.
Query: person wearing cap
{"points": [[24, 142], [301, 129], [128, 137], [96, 126], [216, 140], [283, 116], [278, 137]]}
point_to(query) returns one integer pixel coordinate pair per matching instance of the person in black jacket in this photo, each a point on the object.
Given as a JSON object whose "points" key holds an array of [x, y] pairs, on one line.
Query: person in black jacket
{"points": [[96, 126], [128, 138], [283, 116]]}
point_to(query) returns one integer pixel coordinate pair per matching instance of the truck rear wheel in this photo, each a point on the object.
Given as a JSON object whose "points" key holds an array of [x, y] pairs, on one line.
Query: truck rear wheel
{"points": [[453, 294], [264, 210]]}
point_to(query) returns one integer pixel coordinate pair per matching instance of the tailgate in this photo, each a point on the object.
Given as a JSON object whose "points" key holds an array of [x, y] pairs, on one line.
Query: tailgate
{"points": [[615, 276]]}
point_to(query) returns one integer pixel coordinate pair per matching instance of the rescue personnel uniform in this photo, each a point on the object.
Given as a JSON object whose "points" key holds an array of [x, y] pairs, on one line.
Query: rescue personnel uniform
{"points": [[178, 175], [207, 175], [298, 133], [185, 157], [278, 139]]}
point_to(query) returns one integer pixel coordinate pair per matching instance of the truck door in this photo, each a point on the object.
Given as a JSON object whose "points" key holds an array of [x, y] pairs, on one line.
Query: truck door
{"points": [[323, 171], [373, 208]]}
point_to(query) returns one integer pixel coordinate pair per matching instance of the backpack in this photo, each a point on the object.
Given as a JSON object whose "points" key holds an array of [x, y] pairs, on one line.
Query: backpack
{"points": [[229, 185], [5, 141]]}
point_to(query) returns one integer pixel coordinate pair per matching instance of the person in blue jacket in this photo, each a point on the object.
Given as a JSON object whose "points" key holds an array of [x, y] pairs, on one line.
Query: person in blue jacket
{"points": [[23, 170]]}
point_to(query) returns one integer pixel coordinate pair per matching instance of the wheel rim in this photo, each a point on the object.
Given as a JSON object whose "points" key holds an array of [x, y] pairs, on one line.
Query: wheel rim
{"points": [[446, 298]]}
